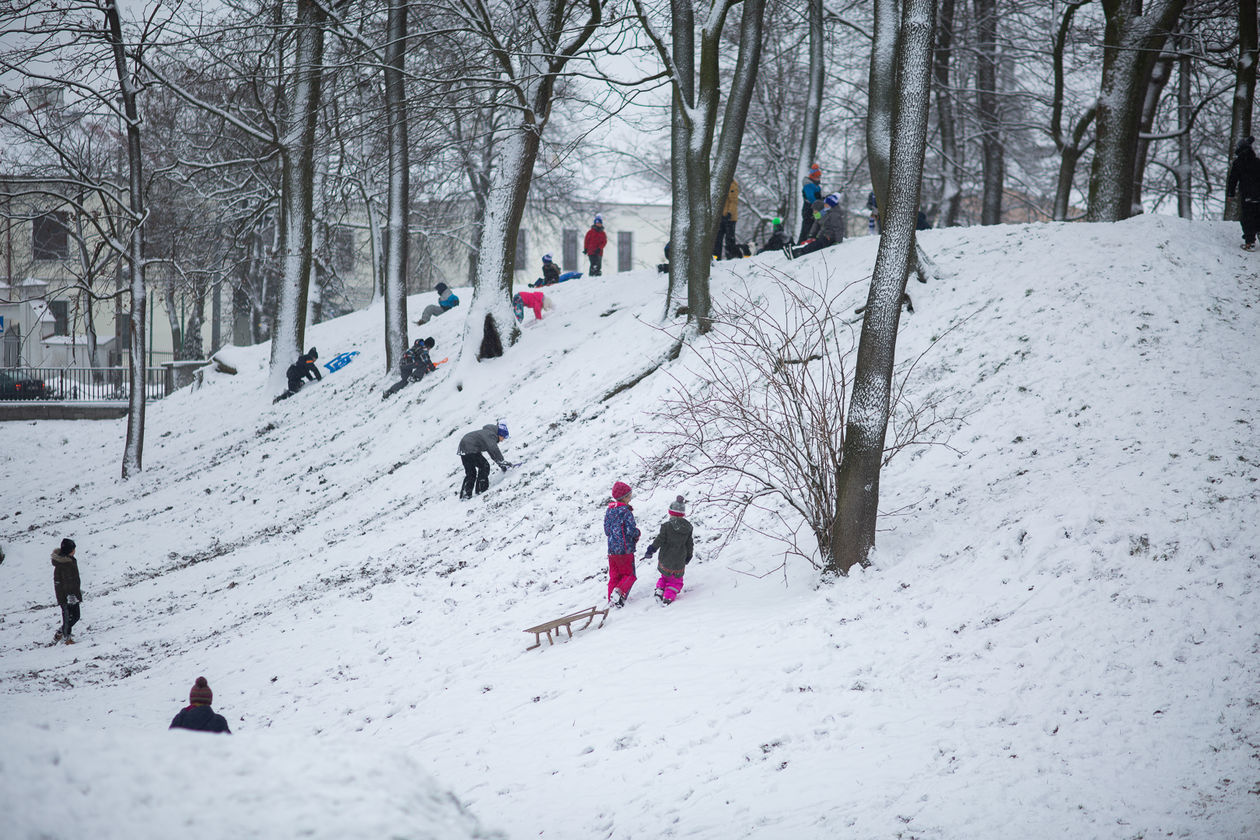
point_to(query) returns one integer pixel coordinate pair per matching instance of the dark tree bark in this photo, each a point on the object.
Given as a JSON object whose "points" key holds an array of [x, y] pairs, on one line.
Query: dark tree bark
{"points": [[395, 283], [993, 161], [1070, 149], [1244, 89], [866, 426], [1134, 33], [952, 172]]}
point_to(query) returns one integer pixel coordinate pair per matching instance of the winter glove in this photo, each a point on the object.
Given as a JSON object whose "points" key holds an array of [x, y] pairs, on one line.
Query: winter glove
{"points": [[584, 252], [503, 465], [650, 551], [72, 599]]}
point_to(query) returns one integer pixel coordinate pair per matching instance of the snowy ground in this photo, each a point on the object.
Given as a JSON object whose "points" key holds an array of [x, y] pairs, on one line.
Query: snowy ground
{"points": [[1059, 636]]}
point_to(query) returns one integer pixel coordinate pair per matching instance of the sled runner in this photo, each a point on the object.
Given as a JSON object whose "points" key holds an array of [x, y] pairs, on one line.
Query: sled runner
{"points": [[566, 623]]}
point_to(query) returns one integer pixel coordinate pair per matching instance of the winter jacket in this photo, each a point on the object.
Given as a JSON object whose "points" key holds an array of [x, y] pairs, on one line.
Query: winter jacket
{"points": [[551, 274], [832, 223], [485, 439], [776, 241], [674, 546], [417, 361], [1244, 176], [65, 576], [201, 718], [447, 299], [623, 534], [304, 367], [811, 191], [595, 241], [730, 209], [534, 300]]}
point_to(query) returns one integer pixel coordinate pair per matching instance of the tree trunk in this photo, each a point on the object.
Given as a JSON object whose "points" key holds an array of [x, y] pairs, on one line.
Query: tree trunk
{"points": [[1070, 151], [1244, 90], [813, 110], [1132, 38], [867, 421], [881, 96], [399, 187], [297, 187], [988, 110], [1161, 74], [952, 172], [1185, 155], [133, 449]]}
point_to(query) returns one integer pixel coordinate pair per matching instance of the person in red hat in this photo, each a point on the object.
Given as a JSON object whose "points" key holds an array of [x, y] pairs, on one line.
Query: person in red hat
{"points": [[623, 538], [198, 715], [812, 191]]}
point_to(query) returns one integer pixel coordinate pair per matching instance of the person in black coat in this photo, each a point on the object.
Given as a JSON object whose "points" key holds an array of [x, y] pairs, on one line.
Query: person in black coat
{"points": [[66, 586], [301, 371], [198, 715], [414, 365], [1244, 179]]}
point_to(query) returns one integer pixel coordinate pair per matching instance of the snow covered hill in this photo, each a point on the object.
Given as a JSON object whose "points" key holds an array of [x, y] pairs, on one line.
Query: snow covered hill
{"points": [[1058, 637]]}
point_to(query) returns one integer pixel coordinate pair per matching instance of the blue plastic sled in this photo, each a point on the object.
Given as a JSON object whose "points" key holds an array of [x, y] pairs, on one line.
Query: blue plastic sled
{"points": [[340, 360]]}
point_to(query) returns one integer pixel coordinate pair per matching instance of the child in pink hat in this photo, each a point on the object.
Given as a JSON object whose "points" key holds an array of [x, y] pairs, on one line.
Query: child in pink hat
{"points": [[623, 537]]}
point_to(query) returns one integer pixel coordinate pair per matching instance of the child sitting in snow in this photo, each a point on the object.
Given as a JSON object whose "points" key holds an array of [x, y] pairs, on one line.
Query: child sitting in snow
{"points": [[623, 537], [676, 547]]}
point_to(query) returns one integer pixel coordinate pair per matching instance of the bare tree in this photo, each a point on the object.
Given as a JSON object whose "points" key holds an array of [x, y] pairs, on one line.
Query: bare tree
{"points": [[1244, 88], [1134, 34], [988, 110], [866, 426], [952, 151], [700, 169], [399, 185]]}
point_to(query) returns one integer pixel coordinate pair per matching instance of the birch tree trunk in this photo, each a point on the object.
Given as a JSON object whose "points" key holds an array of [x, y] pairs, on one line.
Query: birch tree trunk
{"points": [[399, 187], [1244, 91], [1134, 33], [297, 153], [867, 421], [133, 449]]}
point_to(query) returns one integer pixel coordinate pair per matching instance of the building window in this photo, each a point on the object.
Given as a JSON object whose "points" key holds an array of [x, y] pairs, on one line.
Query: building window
{"points": [[625, 250], [521, 254], [49, 236], [343, 251], [569, 240], [60, 310]]}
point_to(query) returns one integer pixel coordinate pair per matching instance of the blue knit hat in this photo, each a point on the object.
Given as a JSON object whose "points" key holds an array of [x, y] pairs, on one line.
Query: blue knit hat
{"points": [[546, 258], [832, 200], [503, 430], [599, 220]]}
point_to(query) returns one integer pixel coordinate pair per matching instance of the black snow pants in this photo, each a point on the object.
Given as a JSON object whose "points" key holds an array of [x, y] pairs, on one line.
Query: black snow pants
{"points": [[476, 475]]}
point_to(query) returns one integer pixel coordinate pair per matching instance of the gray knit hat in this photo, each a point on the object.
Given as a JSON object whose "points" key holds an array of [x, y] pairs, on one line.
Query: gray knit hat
{"points": [[679, 507]]}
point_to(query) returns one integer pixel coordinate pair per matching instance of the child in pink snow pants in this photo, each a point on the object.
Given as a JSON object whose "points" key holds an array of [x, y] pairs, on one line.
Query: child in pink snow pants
{"points": [[675, 544], [623, 537]]}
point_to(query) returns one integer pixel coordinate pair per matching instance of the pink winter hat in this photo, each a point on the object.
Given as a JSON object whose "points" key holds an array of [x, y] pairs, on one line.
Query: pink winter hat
{"points": [[620, 490]]}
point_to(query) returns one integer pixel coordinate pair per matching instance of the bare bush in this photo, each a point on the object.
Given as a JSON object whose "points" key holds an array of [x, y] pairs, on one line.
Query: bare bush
{"points": [[764, 429]]}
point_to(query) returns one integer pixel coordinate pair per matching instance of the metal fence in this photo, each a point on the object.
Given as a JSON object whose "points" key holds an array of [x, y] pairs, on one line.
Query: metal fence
{"points": [[112, 384]]}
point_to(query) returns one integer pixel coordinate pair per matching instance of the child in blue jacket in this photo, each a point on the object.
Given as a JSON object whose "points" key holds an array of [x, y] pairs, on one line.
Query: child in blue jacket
{"points": [[623, 537]]}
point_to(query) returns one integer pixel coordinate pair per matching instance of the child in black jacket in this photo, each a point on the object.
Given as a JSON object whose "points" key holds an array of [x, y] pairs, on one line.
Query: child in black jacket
{"points": [[676, 546]]}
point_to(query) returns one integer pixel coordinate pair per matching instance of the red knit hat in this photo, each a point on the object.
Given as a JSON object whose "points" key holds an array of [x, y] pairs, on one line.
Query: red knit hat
{"points": [[620, 490], [200, 695], [815, 172]]}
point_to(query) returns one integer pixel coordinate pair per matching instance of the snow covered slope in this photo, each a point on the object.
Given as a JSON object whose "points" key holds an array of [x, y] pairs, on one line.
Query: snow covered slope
{"points": [[1059, 633]]}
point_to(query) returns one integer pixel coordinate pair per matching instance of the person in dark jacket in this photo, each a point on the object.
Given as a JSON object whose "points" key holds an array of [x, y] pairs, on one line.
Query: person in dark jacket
{"points": [[300, 372], [623, 536], [778, 238], [414, 365], [551, 272], [446, 302], [676, 546], [593, 246], [66, 586], [1244, 180], [198, 715], [473, 448], [827, 231], [811, 191]]}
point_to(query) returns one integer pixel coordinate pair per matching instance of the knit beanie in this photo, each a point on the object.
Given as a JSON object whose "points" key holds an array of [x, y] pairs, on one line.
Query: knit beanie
{"points": [[440, 287], [620, 490], [815, 172], [200, 695], [679, 507], [1244, 145], [67, 547]]}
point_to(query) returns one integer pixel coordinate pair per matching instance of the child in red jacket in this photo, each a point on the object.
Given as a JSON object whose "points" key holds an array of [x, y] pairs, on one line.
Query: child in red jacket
{"points": [[594, 244]]}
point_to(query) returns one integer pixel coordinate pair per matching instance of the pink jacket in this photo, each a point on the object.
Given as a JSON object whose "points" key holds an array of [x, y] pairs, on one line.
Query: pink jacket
{"points": [[534, 300]]}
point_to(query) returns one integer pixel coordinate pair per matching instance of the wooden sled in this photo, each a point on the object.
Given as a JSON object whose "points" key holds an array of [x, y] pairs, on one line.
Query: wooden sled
{"points": [[566, 623]]}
